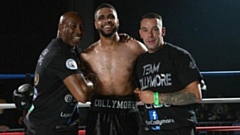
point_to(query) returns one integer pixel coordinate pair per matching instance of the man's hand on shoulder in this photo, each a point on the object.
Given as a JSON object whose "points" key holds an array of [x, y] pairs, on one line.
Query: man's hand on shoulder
{"points": [[125, 37]]}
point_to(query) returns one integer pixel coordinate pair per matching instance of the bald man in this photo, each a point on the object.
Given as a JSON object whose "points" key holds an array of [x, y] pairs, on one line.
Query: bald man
{"points": [[59, 83]]}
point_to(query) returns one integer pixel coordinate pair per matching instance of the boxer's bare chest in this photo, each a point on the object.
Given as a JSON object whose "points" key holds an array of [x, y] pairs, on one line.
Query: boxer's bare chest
{"points": [[113, 67]]}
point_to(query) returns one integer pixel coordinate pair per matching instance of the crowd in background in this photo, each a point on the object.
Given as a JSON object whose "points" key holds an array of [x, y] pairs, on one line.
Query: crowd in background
{"points": [[10, 118], [218, 112]]}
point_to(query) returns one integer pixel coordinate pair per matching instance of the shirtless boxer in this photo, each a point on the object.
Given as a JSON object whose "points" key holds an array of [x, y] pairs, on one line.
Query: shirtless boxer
{"points": [[113, 104]]}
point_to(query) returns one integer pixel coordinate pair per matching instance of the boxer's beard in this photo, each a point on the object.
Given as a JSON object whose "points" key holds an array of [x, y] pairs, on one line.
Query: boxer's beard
{"points": [[108, 34]]}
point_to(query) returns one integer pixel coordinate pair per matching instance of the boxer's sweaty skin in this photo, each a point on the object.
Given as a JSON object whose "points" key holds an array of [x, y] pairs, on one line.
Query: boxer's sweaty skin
{"points": [[113, 65]]}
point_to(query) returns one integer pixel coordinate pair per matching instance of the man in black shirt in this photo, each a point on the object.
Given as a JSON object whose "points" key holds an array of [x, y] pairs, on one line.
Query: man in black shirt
{"points": [[59, 82], [168, 81]]}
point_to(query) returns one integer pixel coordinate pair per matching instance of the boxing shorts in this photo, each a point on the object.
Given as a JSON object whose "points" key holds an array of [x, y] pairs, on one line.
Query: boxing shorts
{"points": [[113, 115]]}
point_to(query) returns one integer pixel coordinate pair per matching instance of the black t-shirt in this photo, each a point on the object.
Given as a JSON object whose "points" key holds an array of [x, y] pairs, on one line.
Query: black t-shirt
{"points": [[168, 70], [54, 107]]}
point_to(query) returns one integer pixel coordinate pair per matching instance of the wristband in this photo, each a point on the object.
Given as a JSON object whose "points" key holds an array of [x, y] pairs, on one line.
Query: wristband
{"points": [[156, 98]]}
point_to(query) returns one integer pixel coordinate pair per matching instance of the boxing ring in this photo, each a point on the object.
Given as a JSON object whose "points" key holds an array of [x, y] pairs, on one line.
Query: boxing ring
{"points": [[202, 130]]}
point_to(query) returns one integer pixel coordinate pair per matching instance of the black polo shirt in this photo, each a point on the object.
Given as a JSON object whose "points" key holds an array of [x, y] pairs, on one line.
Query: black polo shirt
{"points": [[54, 107]]}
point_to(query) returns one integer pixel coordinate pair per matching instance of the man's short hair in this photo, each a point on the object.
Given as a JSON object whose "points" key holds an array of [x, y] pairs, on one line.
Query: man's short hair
{"points": [[104, 5], [151, 15]]}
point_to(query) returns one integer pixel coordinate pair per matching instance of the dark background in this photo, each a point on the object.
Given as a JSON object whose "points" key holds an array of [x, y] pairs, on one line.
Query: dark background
{"points": [[208, 29]]}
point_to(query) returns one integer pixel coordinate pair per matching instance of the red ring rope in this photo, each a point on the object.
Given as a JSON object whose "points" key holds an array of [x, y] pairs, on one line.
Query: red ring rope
{"points": [[211, 128], [219, 128], [80, 132]]}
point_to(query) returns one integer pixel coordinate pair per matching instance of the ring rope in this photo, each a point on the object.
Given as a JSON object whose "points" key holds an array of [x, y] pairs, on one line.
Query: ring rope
{"points": [[87, 104], [205, 73], [213, 128], [220, 73], [219, 128], [205, 100], [80, 132], [15, 76]]}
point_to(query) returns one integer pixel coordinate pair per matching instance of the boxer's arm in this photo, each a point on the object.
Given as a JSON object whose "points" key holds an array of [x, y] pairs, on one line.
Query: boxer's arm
{"points": [[137, 47], [86, 70]]}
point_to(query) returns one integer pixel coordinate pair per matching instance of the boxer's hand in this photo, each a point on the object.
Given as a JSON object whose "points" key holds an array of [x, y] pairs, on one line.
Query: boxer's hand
{"points": [[93, 78], [23, 96], [89, 83], [145, 96]]}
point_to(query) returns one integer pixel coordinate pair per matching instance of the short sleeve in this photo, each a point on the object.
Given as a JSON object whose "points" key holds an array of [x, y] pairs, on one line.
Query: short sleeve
{"points": [[64, 65], [187, 70]]}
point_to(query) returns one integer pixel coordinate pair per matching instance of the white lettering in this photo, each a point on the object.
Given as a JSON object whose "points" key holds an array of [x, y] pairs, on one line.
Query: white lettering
{"points": [[65, 115], [150, 68], [159, 122], [114, 104], [41, 57], [156, 81], [119, 104], [152, 106]]}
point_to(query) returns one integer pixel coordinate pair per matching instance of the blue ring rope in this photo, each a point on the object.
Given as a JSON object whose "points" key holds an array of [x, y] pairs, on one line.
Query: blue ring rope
{"points": [[15, 76], [220, 73], [204, 73]]}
